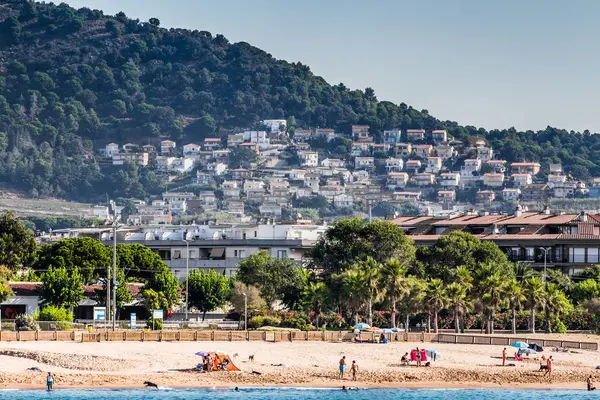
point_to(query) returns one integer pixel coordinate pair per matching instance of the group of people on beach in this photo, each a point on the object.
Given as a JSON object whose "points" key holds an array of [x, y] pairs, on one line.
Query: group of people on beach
{"points": [[212, 363], [353, 368]]}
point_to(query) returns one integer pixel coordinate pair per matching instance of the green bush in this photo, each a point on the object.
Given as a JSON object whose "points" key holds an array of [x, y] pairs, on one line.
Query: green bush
{"points": [[260, 321], [158, 324], [53, 313], [26, 322], [297, 322], [8, 326]]}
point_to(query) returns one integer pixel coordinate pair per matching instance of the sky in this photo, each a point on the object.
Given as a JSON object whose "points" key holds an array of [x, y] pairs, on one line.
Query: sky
{"points": [[491, 64]]}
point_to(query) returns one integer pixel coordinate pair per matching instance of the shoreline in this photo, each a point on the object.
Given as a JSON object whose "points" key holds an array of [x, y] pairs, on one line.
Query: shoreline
{"points": [[319, 386]]}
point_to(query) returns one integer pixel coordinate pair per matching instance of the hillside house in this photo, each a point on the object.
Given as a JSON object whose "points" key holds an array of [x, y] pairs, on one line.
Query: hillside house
{"points": [[396, 180], [140, 159], [327, 133], [485, 196], [471, 167], [449, 179], [535, 192], [404, 149], [110, 149], [191, 148], [312, 181], [521, 180], [343, 201], [525, 168], [424, 179], [234, 140], [393, 165], [497, 165], [446, 196], [484, 153], [163, 163], [203, 178], [413, 196], [364, 163], [445, 152], [297, 174], [563, 190], [392, 137], [309, 158], [423, 150], [302, 135], [331, 191], [413, 166], [167, 147], [275, 125], [360, 133], [493, 180], [555, 179], [252, 146], [439, 136], [211, 144], [333, 163], [360, 149], [230, 189], [130, 148], [182, 165], [434, 164], [511, 194], [415, 135], [148, 148], [270, 210]]}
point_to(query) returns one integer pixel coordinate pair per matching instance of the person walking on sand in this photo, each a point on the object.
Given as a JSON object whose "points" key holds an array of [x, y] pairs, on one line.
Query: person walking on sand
{"points": [[590, 384], [549, 367], [49, 382], [342, 366], [504, 357], [354, 370]]}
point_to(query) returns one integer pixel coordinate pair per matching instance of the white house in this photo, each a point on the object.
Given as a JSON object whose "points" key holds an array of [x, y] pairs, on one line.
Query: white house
{"points": [[413, 135], [392, 136], [396, 180], [275, 125], [446, 196], [449, 179], [297, 174], [434, 164], [230, 189], [394, 164], [364, 162], [404, 149], [211, 144], [424, 179], [270, 209], [191, 148], [471, 166], [111, 148], [423, 150], [511, 194], [406, 196], [554, 179], [439, 136], [182, 165], [497, 165], [413, 165], [167, 147], [343, 201], [493, 180], [333, 163], [484, 153], [309, 158], [521, 180]]}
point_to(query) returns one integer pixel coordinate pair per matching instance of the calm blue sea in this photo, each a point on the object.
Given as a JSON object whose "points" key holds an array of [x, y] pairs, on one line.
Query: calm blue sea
{"points": [[288, 394]]}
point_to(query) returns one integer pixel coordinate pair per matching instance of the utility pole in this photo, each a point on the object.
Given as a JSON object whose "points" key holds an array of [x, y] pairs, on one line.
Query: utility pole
{"points": [[114, 286], [187, 276], [545, 249]]}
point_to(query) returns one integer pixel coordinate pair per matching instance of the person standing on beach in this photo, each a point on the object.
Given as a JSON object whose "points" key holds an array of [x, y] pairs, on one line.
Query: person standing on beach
{"points": [[342, 366], [549, 367], [50, 381], [418, 355], [590, 384], [504, 357], [354, 370]]}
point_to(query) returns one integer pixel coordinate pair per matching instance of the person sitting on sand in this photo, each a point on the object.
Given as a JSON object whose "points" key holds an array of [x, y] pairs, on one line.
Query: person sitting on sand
{"points": [[590, 384], [354, 370], [342, 366], [405, 359]]}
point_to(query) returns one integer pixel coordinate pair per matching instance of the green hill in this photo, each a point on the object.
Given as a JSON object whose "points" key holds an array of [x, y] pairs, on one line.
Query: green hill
{"points": [[73, 80]]}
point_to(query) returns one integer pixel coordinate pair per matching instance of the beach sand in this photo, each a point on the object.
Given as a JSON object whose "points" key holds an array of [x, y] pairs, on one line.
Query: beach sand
{"points": [[169, 364]]}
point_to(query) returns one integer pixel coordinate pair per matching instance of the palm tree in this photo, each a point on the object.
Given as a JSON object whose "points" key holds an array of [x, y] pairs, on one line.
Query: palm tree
{"points": [[522, 271], [492, 298], [436, 299], [412, 302], [315, 295], [371, 275], [394, 283], [533, 290], [555, 304], [514, 295], [463, 277], [354, 291], [457, 298]]}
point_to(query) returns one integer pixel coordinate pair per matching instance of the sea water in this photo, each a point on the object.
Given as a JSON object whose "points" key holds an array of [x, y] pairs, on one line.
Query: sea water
{"points": [[293, 393]]}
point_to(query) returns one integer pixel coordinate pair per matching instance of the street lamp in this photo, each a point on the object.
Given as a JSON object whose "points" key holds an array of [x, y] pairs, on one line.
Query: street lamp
{"points": [[545, 249], [187, 276], [245, 311]]}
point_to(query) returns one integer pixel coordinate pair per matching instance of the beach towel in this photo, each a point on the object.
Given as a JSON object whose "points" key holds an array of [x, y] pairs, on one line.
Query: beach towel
{"points": [[423, 355], [413, 355]]}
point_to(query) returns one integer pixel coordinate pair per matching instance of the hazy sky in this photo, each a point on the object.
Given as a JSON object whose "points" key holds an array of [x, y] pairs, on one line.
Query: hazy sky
{"points": [[496, 64]]}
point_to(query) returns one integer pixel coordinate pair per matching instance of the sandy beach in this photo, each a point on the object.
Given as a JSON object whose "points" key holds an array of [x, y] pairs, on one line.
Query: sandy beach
{"points": [[169, 364]]}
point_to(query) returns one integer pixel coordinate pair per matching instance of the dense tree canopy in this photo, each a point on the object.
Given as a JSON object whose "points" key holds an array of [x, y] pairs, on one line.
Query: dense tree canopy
{"points": [[208, 290], [17, 245]]}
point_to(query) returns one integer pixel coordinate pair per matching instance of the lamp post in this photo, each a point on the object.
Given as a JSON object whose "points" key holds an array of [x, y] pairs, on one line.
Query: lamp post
{"points": [[187, 276], [245, 311], [114, 285], [545, 249]]}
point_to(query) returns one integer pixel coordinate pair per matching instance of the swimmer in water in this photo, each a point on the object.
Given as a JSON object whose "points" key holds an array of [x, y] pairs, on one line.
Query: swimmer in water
{"points": [[236, 389]]}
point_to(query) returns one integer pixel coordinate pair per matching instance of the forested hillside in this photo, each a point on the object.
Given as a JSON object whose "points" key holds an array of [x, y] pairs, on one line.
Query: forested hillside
{"points": [[73, 80]]}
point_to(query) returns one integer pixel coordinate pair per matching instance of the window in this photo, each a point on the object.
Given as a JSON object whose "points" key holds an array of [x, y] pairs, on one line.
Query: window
{"points": [[282, 254], [176, 254], [577, 254], [242, 253], [592, 255], [235, 253]]}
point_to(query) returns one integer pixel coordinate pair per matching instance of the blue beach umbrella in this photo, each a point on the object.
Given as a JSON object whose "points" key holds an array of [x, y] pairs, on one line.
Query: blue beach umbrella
{"points": [[520, 345], [362, 325], [201, 354]]}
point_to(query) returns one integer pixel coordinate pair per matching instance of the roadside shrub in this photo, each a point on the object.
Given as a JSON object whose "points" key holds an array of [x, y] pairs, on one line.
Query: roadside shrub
{"points": [[158, 324], [8, 326], [271, 321], [24, 322], [256, 322], [296, 322], [53, 313]]}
